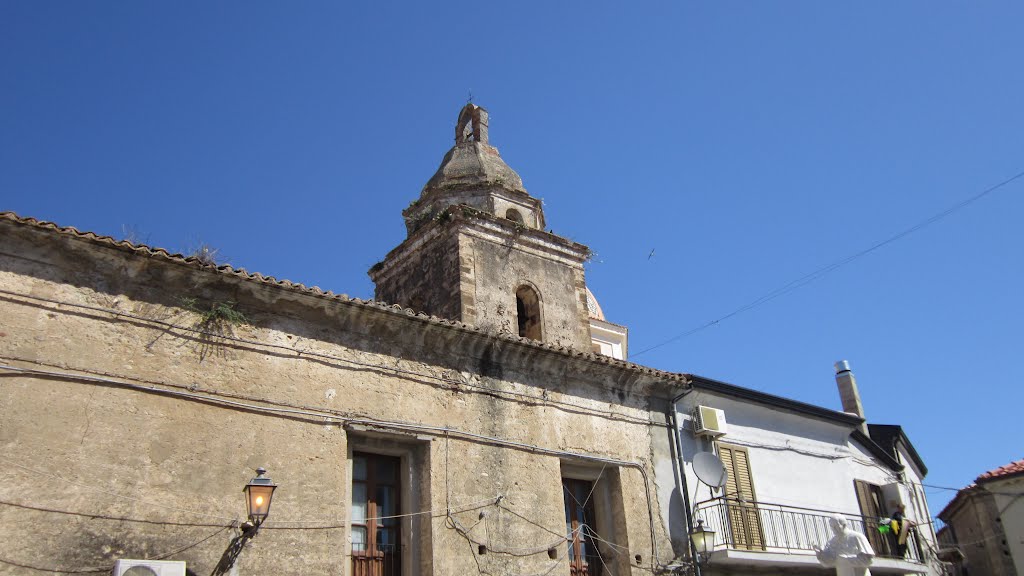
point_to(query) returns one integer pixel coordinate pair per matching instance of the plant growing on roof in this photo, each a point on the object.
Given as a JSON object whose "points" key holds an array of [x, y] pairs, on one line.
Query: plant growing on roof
{"points": [[205, 254]]}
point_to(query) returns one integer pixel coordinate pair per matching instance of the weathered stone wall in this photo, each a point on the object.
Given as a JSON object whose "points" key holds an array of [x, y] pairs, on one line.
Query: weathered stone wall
{"points": [[980, 534], [468, 265], [499, 269], [426, 278], [137, 433]]}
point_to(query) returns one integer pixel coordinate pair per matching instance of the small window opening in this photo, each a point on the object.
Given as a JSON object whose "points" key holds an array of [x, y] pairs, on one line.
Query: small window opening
{"points": [[528, 313], [514, 215]]}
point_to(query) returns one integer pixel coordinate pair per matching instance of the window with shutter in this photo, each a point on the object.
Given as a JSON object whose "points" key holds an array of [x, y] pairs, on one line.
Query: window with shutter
{"points": [[741, 502], [870, 499]]}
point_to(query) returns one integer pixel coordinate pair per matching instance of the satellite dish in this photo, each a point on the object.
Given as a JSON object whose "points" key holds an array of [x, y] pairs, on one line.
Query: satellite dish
{"points": [[709, 469]]}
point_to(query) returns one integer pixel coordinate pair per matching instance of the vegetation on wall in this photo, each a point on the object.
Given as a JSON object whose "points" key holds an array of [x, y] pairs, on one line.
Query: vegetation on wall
{"points": [[213, 322]]}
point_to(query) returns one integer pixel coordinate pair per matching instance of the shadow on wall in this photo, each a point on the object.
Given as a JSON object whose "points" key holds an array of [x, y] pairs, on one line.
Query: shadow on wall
{"points": [[678, 532], [230, 556]]}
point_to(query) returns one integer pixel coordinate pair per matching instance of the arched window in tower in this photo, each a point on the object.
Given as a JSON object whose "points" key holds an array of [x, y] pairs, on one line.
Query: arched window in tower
{"points": [[514, 215], [528, 313]]}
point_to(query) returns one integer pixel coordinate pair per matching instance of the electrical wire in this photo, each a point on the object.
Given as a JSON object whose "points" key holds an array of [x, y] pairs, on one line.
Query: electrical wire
{"points": [[949, 488], [454, 524], [115, 494], [56, 570], [381, 424], [105, 517], [309, 354], [107, 569], [272, 525], [821, 272]]}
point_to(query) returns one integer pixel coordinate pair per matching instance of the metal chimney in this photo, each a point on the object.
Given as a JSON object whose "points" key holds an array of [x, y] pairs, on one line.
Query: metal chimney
{"points": [[848, 392]]}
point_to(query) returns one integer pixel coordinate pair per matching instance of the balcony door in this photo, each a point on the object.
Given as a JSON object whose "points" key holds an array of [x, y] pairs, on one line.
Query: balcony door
{"points": [[741, 503], [376, 530], [872, 508], [584, 557]]}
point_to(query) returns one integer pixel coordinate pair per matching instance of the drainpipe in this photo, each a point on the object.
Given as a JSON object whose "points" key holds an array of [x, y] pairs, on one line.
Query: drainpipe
{"points": [[677, 461]]}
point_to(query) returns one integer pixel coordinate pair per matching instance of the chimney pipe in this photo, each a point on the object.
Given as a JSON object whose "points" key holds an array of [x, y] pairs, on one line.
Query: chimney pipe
{"points": [[848, 392]]}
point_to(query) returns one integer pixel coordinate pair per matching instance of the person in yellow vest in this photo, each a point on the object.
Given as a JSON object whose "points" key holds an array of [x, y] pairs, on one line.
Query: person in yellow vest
{"points": [[899, 526]]}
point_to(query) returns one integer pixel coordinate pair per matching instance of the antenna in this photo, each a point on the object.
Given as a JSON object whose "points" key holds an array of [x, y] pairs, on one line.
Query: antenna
{"points": [[709, 469]]}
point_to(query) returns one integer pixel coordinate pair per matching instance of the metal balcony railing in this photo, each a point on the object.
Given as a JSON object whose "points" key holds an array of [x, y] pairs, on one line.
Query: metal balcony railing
{"points": [[741, 525]]}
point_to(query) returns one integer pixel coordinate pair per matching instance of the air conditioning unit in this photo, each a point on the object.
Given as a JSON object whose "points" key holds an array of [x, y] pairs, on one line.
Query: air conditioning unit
{"points": [[709, 421], [893, 495], [148, 568]]}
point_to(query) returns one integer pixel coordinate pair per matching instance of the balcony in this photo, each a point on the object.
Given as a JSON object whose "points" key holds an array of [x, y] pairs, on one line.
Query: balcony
{"points": [[774, 535]]}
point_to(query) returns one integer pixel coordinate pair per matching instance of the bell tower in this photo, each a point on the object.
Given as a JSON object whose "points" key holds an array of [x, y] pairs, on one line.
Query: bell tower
{"points": [[476, 250]]}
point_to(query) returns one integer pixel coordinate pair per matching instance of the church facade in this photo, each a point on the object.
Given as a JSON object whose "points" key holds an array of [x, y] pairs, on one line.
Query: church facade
{"points": [[445, 432], [476, 417]]}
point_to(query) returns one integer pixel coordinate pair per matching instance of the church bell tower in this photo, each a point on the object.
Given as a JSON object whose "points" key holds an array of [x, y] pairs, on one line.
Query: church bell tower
{"points": [[476, 250]]}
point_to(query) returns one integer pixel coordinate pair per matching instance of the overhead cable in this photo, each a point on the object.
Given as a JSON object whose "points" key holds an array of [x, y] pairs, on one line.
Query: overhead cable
{"points": [[820, 272]]}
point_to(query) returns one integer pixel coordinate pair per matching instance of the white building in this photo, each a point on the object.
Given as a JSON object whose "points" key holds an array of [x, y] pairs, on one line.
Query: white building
{"points": [[790, 466]]}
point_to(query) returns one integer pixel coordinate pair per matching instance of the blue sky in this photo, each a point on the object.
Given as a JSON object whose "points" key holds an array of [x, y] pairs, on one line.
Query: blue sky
{"points": [[747, 144]]}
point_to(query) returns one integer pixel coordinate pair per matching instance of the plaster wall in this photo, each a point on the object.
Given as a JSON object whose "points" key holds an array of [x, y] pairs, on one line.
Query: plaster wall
{"points": [[1009, 501], [106, 457], [795, 460], [914, 497]]}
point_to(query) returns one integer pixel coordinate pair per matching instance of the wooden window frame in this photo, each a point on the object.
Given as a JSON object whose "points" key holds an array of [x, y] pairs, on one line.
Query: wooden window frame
{"points": [[741, 507], [871, 502], [373, 560], [578, 516], [414, 454], [611, 534]]}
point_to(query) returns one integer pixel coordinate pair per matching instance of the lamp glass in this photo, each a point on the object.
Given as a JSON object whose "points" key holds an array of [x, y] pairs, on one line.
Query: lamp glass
{"points": [[258, 494], [703, 539], [258, 498]]}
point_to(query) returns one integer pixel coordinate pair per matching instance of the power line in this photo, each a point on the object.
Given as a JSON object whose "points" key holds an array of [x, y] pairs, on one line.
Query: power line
{"points": [[409, 374], [107, 569], [820, 272]]}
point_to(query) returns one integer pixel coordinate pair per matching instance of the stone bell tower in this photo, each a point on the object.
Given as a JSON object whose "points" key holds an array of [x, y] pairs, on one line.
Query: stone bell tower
{"points": [[477, 252]]}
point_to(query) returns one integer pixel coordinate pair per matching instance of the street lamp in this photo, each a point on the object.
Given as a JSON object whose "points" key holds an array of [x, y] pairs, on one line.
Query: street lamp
{"points": [[703, 541], [258, 493]]}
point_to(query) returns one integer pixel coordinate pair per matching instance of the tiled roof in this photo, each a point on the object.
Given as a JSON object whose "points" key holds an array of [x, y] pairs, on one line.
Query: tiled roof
{"points": [[192, 261], [1010, 469]]}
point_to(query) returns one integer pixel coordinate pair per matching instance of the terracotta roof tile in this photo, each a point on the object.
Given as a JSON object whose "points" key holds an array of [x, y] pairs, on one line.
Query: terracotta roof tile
{"points": [[1010, 469], [228, 270]]}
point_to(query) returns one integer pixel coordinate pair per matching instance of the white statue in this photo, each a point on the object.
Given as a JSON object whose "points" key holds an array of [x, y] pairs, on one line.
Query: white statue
{"points": [[848, 551]]}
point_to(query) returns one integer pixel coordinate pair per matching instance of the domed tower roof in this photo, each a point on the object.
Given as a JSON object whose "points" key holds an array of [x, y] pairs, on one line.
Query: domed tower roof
{"points": [[477, 251], [472, 162], [473, 173], [593, 308]]}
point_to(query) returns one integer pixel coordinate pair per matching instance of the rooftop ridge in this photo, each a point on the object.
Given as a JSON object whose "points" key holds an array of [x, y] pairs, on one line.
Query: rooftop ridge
{"points": [[316, 291], [1011, 469]]}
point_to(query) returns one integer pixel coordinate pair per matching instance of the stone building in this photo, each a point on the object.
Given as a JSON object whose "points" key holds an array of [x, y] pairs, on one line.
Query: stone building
{"points": [[446, 432], [477, 417], [985, 522]]}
